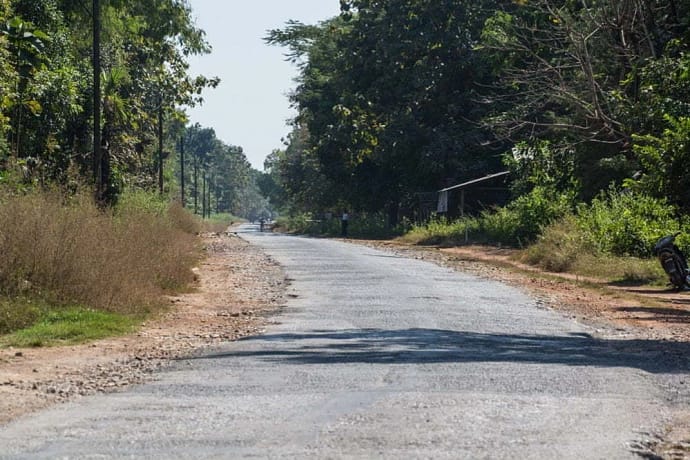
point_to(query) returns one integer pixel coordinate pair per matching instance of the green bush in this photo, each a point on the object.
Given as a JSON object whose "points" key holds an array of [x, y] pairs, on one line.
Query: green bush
{"points": [[370, 225], [139, 201], [626, 223], [18, 313], [303, 223], [559, 246], [443, 231], [361, 225], [522, 220]]}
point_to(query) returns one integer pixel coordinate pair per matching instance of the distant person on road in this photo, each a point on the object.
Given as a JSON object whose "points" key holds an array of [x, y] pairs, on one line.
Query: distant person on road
{"points": [[344, 220], [261, 224]]}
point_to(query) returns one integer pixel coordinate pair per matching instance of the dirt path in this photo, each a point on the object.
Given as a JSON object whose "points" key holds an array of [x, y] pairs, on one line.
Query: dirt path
{"points": [[239, 288]]}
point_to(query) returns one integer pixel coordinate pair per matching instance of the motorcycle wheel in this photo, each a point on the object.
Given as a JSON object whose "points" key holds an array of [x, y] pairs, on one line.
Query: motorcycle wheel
{"points": [[674, 268]]}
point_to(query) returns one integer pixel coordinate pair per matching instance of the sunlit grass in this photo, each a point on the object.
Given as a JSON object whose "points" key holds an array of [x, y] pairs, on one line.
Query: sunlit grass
{"points": [[70, 326], [560, 248]]}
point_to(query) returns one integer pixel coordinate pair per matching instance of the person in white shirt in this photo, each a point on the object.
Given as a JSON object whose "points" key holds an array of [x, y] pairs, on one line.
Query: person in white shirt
{"points": [[344, 220]]}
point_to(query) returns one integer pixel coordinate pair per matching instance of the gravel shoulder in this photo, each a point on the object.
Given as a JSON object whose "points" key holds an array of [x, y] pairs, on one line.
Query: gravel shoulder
{"points": [[657, 317], [239, 288]]}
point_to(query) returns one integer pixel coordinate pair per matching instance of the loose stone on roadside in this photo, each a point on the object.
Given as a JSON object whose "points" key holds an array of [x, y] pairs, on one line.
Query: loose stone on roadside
{"points": [[236, 285]]}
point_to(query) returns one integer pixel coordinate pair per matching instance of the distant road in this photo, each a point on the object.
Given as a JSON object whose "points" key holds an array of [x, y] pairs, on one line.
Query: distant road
{"points": [[377, 356]]}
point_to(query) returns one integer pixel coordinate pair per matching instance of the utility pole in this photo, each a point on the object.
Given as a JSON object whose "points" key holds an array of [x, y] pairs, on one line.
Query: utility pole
{"points": [[196, 184], [203, 196], [97, 153], [182, 169], [160, 145]]}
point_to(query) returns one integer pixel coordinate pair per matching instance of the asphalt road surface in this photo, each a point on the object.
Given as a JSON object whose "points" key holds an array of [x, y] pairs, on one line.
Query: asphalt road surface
{"points": [[378, 356]]}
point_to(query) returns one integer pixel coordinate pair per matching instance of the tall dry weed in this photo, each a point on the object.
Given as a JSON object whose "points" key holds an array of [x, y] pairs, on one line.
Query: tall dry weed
{"points": [[69, 252]]}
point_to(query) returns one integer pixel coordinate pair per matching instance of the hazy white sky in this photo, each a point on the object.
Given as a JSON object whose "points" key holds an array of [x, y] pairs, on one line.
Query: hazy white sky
{"points": [[250, 107]]}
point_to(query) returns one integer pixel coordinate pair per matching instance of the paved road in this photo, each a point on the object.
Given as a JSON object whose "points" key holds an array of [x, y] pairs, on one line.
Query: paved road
{"points": [[377, 356]]}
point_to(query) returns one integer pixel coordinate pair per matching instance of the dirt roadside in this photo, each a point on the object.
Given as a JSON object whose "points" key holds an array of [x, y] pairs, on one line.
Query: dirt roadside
{"points": [[658, 316], [240, 288]]}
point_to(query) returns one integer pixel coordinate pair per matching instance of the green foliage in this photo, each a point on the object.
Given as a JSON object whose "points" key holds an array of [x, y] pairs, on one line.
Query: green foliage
{"points": [[517, 224], [541, 164], [626, 223], [306, 224], [521, 221], [371, 225], [138, 201], [46, 93], [665, 161], [70, 326], [565, 246], [559, 246], [662, 87], [444, 232], [19, 313], [217, 177], [376, 127], [361, 225]]}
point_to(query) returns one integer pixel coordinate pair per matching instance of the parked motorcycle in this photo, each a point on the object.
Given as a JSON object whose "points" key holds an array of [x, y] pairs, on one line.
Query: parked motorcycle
{"points": [[672, 261]]}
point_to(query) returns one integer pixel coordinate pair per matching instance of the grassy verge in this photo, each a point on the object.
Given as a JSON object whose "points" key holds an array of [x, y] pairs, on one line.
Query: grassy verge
{"points": [[220, 222], [560, 248], [60, 251], [70, 326]]}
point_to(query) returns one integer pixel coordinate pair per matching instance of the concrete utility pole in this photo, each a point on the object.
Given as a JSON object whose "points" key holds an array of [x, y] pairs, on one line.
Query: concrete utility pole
{"points": [[160, 145], [97, 153], [182, 170]]}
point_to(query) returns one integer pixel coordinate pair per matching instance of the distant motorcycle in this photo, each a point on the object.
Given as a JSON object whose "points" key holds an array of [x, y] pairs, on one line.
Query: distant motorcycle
{"points": [[672, 261]]}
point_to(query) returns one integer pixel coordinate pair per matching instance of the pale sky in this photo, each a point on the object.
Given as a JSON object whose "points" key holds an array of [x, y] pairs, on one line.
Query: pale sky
{"points": [[250, 107]]}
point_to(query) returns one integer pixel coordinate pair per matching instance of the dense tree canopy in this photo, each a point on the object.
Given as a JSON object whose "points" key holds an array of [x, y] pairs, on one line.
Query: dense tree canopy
{"points": [[397, 97], [394, 98], [46, 89]]}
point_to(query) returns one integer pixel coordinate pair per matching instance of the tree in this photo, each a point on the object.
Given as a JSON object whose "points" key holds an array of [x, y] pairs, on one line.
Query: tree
{"points": [[571, 72], [144, 50], [386, 94], [219, 172]]}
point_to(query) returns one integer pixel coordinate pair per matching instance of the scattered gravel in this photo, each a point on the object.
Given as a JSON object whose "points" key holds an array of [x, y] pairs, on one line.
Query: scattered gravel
{"points": [[238, 289]]}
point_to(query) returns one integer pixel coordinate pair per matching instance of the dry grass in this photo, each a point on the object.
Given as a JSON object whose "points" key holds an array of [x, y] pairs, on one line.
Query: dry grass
{"points": [[563, 248], [70, 253]]}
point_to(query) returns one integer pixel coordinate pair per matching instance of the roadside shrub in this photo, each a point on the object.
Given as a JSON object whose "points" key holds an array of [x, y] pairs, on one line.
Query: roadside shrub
{"points": [[606, 239], [139, 201], [70, 253], [368, 225], [626, 223], [443, 231], [217, 223], [522, 220], [183, 219], [18, 314], [559, 246], [297, 223], [362, 225]]}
